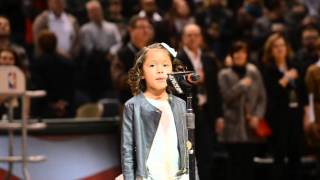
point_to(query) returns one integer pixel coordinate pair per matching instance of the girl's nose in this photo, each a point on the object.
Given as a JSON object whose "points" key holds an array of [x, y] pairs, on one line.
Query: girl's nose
{"points": [[160, 70]]}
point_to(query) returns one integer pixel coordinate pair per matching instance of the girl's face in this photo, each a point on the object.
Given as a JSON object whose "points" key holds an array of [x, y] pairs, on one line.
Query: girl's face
{"points": [[155, 68], [279, 49], [240, 57], [6, 58]]}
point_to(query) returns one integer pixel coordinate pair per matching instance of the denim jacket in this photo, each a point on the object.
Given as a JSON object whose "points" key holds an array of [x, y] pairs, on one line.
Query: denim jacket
{"points": [[139, 126]]}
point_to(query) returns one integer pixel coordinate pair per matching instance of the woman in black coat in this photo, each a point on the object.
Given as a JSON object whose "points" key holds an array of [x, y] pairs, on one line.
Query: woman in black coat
{"points": [[285, 107]]}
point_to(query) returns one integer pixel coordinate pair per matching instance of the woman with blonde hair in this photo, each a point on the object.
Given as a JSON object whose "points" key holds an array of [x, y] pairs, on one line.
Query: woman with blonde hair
{"points": [[286, 101]]}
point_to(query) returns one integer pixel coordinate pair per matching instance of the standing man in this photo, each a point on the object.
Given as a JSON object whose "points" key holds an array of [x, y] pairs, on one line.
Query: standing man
{"points": [[141, 34], [98, 34], [99, 41], [62, 24], [207, 100]]}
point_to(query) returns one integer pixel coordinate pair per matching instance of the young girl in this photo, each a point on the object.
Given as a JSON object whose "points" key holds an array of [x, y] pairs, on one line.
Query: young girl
{"points": [[154, 133]]}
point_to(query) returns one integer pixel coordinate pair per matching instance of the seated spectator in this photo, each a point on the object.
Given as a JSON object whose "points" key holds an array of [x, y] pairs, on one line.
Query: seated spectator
{"points": [[9, 57], [62, 24], [5, 42], [54, 74]]}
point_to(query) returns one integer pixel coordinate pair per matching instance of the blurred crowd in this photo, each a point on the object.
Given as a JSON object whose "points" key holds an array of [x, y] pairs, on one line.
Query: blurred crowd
{"points": [[258, 60]]}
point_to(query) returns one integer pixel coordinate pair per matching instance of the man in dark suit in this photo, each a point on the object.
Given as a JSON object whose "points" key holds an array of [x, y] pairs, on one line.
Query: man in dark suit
{"points": [[141, 34], [206, 99]]}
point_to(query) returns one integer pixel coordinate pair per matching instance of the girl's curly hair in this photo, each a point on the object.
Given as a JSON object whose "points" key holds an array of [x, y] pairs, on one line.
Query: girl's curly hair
{"points": [[136, 83]]}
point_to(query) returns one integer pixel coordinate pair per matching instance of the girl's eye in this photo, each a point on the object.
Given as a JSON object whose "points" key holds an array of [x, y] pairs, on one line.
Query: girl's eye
{"points": [[151, 65], [165, 65]]}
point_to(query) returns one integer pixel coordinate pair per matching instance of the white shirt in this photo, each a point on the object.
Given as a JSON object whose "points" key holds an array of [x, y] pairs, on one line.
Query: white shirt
{"points": [[195, 59], [62, 28], [197, 66], [163, 159], [105, 37]]}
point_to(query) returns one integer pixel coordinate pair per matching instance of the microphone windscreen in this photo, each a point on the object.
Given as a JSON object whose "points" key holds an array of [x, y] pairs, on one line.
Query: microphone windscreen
{"points": [[195, 77]]}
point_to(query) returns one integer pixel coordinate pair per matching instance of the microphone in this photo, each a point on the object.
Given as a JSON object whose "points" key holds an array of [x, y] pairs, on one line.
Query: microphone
{"points": [[183, 79], [190, 76]]}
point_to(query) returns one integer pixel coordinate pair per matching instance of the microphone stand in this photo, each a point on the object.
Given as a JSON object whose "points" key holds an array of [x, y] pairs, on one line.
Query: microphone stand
{"points": [[190, 119], [183, 87]]}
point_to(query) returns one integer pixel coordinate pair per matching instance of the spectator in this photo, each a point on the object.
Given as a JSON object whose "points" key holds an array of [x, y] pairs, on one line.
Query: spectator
{"points": [[313, 125], [294, 17], [5, 43], [141, 34], [285, 108], [53, 73], [149, 9], [62, 24], [114, 14], [207, 103], [98, 34], [246, 16], [272, 21], [244, 105], [9, 57], [307, 54], [312, 5], [100, 40], [217, 23], [173, 23]]}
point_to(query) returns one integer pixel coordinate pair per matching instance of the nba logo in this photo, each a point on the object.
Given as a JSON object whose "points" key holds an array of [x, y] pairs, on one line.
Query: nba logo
{"points": [[12, 80]]}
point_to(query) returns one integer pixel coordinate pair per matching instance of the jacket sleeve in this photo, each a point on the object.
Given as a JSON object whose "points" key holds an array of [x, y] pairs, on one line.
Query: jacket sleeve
{"points": [[260, 108], [229, 92], [310, 82], [127, 144]]}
